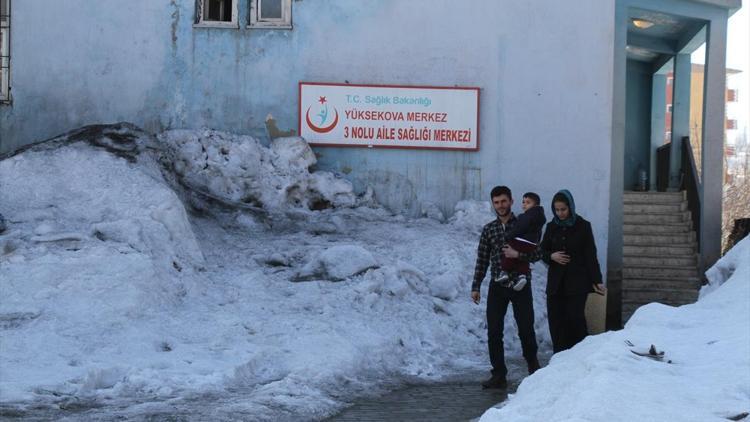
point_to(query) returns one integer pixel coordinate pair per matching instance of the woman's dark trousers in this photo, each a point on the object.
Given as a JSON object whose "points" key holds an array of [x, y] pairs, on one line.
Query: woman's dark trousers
{"points": [[498, 299], [567, 320]]}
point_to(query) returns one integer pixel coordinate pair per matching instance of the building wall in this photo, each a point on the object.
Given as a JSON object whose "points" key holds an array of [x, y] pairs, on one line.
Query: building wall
{"points": [[545, 79]]}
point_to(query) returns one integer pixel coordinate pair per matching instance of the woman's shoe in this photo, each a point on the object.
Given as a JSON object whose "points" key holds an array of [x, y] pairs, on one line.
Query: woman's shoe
{"points": [[495, 381]]}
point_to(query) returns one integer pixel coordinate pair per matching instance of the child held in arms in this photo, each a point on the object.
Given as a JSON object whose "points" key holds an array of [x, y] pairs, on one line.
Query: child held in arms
{"points": [[523, 238]]}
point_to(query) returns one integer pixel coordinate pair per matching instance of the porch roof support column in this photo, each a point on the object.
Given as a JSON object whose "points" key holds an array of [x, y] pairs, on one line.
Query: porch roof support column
{"points": [[680, 117], [712, 148], [658, 119]]}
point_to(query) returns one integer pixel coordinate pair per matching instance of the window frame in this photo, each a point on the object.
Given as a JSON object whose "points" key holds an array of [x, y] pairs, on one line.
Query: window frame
{"points": [[200, 6], [5, 57], [255, 21]]}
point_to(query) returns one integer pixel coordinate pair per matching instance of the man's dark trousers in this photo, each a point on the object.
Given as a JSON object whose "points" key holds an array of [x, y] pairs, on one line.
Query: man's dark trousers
{"points": [[498, 299]]}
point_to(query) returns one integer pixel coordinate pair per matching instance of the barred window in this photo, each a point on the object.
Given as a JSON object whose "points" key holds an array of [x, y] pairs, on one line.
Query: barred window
{"points": [[216, 13], [4, 51], [270, 14], [731, 95]]}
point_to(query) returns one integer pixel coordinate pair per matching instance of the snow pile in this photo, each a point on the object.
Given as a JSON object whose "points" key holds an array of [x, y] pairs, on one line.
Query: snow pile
{"points": [[338, 263], [472, 215], [73, 194], [702, 375], [724, 268], [118, 304], [238, 169], [98, 251], [431, 210]]}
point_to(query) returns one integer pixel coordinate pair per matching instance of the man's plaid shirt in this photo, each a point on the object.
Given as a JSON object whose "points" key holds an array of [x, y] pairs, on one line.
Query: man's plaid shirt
{"points": [[489, 252]]}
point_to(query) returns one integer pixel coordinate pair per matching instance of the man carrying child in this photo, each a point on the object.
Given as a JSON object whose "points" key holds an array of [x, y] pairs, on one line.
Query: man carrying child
{"points": [[494, 236]]}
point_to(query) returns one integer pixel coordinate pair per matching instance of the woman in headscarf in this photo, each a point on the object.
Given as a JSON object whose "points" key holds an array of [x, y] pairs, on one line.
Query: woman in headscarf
{"points": [[569, 249]]}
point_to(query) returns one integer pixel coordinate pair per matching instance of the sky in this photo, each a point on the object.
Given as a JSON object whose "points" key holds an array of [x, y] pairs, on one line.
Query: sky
{"points": [[738, 42]]}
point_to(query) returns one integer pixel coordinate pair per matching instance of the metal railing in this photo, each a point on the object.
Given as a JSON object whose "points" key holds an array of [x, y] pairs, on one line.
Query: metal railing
{"points": [[692, 185]]}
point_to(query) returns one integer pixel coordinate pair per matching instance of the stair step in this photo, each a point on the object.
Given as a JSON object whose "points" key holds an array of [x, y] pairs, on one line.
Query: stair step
{"points": [[644, 271], [653, 197], [663, 250], [659, 260], [666, 296], [632, 208], [629, 307], [660, 239], [676, 228], [687, 283], [641, 218]]}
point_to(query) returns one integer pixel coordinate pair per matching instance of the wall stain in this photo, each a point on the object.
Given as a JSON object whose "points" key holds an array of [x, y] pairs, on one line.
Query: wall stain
{"points": [[274, 131], [175, 23]]}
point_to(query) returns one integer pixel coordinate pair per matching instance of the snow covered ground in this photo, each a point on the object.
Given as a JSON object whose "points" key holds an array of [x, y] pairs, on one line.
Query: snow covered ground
{"points": [[117, 302], [115, 297], [703, 375]]}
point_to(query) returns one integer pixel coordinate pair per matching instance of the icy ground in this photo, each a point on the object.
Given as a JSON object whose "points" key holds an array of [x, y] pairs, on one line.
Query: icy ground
{"points": [[117, 301], [702, 375]]}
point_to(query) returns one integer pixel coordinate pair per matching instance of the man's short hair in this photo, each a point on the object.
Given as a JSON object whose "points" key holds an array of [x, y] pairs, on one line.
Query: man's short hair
{"points": [[534, 197], [501, 190]]}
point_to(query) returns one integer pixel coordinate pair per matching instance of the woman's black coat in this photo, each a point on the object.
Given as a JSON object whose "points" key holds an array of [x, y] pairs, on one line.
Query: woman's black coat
{"points": [[582, 272]]}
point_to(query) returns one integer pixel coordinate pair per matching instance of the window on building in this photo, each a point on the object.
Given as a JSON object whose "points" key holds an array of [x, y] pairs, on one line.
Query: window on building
{"points": [[731, 124], [270, 14], [731, 95], [216, 13], [4, 50]]}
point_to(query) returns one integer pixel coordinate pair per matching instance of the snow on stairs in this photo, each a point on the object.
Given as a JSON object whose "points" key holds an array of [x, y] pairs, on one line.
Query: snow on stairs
{"points": [[659, 251]]}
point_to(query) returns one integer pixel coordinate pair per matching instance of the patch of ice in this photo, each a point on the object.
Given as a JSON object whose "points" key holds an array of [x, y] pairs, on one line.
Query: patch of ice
{"points": [[102, 378], [58, 237]]}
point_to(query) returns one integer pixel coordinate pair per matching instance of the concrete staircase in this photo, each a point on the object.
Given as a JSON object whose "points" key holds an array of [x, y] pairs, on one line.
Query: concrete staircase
{"points": [[660, 261]]}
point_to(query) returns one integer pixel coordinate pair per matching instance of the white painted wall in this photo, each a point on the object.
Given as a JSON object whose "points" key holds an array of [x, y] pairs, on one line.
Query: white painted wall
{"points": [[545, 69]]}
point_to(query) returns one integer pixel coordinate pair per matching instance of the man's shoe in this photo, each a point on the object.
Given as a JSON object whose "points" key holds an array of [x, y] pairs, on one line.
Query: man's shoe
{"points": [[520, 282], [533, 365], [496, 381]]}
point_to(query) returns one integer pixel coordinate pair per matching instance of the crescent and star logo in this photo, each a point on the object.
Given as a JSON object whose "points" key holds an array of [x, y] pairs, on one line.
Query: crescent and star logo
{"points": [[323, 118]]}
